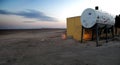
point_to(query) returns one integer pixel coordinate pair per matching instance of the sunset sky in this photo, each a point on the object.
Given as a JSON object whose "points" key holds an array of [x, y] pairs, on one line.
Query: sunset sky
{"points": [[27, 14]]}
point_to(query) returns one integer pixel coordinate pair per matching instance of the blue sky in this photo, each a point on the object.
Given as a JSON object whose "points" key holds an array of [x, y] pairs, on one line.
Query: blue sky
{"points": [[47, 13]]}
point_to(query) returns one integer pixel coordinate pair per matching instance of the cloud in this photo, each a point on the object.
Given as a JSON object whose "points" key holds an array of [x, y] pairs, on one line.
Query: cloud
{"points": [[29, 21], [5, 12], [30, 14]]}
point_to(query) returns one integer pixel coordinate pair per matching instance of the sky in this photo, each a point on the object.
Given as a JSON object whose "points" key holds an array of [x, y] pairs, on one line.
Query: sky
{"points": [[32, 14]]}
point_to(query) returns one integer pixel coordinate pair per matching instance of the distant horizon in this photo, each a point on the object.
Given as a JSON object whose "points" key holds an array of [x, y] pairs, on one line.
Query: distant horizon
{"points": [[30, 28]]}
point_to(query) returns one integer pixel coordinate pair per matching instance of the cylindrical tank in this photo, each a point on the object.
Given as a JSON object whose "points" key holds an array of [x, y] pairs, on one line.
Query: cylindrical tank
{"points": [[90, 17]]}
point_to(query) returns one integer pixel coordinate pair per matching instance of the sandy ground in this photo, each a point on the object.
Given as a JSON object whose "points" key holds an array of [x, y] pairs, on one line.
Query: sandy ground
{"points": [[45, 47]]}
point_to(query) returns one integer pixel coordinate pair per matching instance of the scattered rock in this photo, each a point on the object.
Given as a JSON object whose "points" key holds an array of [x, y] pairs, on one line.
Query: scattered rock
{"points": [[42, 40]]}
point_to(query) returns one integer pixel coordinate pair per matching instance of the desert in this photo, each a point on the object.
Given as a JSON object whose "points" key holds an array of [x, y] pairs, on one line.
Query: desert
{"points": [[46, 47]]}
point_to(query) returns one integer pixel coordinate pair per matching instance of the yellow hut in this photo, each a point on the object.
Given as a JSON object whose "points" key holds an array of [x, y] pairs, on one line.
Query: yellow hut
{"points": [[74, 29]]}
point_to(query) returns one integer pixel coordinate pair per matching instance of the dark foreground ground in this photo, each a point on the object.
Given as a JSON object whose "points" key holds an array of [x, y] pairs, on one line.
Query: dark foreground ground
{"points": [[45, 47]]}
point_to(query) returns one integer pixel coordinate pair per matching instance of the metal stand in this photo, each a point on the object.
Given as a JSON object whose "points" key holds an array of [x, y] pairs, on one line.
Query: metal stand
{"points": [[82, 35], [115, 30], [92, 34], [97, 36], [106, 33], [112, 31], [97, 32]]}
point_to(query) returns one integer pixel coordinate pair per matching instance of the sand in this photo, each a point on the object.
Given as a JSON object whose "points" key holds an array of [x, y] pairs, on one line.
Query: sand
{"points": [[45, 47]]}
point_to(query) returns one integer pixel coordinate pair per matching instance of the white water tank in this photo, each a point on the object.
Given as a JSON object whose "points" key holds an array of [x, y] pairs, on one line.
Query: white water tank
{"points": [[90, 17]]}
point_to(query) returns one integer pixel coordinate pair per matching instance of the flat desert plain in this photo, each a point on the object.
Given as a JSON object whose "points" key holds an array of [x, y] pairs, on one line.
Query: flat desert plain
{"points": [[46, 47]]}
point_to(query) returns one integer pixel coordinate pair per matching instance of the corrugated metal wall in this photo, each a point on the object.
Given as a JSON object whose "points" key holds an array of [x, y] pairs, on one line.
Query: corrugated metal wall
{"points": [[77, 28], [74, 28], [70, 27]]}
